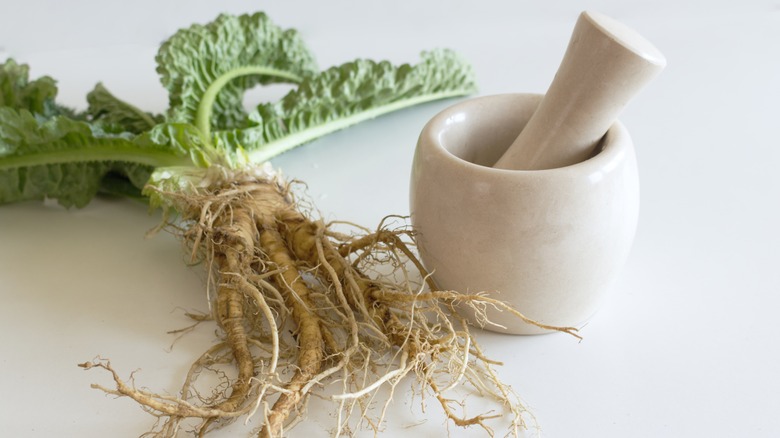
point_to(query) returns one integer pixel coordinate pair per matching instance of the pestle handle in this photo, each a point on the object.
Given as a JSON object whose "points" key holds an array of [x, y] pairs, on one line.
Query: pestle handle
{"points": [[605, 65]]}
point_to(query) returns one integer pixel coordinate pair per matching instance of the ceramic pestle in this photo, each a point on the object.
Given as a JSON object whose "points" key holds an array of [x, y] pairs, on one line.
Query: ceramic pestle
{"points": [[605, 65]]}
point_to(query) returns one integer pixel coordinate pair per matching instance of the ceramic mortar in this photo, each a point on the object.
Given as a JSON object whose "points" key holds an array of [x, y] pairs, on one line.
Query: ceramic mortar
{"points": [[548, 242]]}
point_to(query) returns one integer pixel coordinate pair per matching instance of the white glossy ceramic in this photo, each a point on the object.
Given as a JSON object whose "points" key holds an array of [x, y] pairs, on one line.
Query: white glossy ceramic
{"points": [[548, 242]]}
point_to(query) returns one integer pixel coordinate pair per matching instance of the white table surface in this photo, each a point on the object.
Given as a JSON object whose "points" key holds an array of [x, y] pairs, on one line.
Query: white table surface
{"points": [[686, 345]]}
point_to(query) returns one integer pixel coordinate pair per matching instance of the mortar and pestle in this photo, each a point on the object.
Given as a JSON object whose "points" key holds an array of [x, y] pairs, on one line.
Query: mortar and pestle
{"points": [[534, 199]]}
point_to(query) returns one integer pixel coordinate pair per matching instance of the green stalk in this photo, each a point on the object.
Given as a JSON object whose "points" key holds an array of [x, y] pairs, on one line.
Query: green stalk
{"points": [[203, 115], [271, 149], [152, 158]]}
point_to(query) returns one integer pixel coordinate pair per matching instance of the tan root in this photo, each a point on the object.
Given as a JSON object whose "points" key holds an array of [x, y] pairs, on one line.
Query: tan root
{"points": [[362, 310]]}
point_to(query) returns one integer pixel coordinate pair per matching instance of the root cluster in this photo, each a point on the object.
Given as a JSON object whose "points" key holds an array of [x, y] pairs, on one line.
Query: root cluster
{"points": [[308, 308]]}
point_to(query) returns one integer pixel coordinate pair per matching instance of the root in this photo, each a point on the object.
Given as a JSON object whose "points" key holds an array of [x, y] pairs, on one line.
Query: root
{"points": [[310, 337], [231, 317], [348, 314]]}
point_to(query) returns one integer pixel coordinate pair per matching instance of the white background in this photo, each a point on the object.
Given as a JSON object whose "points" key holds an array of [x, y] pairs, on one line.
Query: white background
{"points": [[686, 345]]}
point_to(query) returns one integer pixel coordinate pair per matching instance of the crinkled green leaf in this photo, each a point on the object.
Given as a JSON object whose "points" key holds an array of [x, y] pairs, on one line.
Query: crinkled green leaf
{"points": [[48, 151], [207, 68], [67, 159], [18, 92], [344, 95], [106, 108]]}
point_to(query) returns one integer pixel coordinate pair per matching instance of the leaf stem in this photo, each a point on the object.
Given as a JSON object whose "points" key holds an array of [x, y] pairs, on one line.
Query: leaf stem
{"points": [[152, 158], [274, 148], [203, 115]]}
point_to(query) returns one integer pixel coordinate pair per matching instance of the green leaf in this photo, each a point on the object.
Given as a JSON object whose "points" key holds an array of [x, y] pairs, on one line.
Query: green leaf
{"points": [[106, 108], [348, 94], [48, 151], [18, 92], [207, 68], [66, 159]]}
